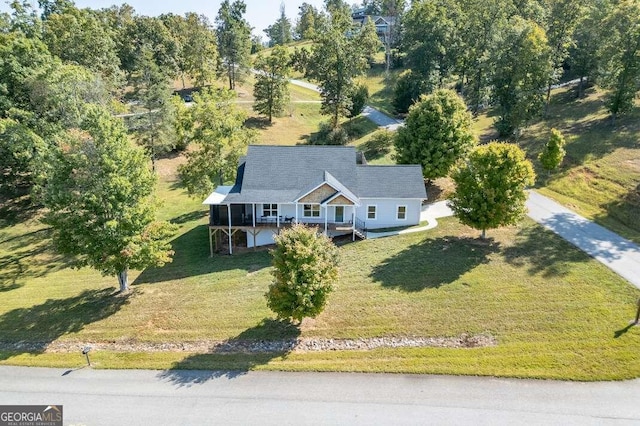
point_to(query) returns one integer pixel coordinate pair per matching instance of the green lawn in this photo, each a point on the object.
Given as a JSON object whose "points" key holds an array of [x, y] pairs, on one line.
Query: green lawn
{"points": [[600, 177], [554, 311]]}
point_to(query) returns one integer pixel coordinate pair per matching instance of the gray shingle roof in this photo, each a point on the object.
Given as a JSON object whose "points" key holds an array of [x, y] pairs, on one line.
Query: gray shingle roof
{"points": [[281, 174]]}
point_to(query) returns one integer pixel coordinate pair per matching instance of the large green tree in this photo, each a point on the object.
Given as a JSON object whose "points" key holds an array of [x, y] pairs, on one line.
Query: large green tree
{"points": [[280, 32], [20, 154], [305, 268], [431, 38], [271, 89], [335, 62], [220, 138], [234, 39], [490, 187], [620, 57], [152, 91], [522, 69], [98, 193], [309, 21], [437, 133]]}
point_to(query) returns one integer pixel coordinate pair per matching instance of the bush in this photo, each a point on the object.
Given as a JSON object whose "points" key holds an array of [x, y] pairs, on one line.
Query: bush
{"points": [[328, 136], [359, 99], [305, 265], [407, 91]]}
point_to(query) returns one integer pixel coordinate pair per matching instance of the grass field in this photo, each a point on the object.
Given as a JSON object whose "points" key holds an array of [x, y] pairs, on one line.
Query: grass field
{"points": [[600, 177], [554, 312]]}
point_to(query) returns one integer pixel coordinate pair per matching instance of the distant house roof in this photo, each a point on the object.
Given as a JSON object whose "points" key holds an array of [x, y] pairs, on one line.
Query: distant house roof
{"points": [[284, 174]]}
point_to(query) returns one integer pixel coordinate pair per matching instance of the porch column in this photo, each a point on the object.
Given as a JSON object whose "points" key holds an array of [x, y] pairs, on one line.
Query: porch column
{"points": [[296, 212], [230, 239], [326, 218], [353, 222], [211, 241], [253, 211], [278, 216]]}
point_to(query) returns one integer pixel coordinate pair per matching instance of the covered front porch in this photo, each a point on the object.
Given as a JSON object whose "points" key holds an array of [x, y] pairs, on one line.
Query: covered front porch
{"points": [[261, 221]]}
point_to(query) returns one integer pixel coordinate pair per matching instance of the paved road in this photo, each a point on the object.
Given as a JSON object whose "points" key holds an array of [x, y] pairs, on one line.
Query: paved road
{"points": [[113, 397], [619, 254], [378, 117]]}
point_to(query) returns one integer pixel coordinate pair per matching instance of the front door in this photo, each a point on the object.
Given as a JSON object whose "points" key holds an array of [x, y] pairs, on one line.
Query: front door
{"points": [[339, 214]]}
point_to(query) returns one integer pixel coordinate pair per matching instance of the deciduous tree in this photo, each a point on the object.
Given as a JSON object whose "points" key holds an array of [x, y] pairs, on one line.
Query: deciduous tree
{"points": [[220, 138], [99, 197], [437, 133], [271, 89], [20, 152], [490, 186], [522, 70], [305, 267], [234, 39]]}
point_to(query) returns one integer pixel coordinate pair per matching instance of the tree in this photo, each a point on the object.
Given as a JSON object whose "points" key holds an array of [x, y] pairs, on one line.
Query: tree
{"points": [[482, 24], [20, 152], [305, 268], [522, 70], [359, 99], [588, 36], [153, 92], [98, 194], [281, 31], [368, 40], [220, 137], [234, 38], [271, 89], [437, 133], [620, 53], [430, 38], [553, 153], [335, 61], [564, 16], [408, 89], [490, 187], [78, 36], [309, 21]]}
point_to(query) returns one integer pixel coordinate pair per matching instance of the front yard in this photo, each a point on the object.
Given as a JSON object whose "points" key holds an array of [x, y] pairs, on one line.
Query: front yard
{"points": [[553, 311]]}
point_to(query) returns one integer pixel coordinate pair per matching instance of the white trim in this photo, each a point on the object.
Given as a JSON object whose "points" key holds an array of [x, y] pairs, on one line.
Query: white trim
{"points": [[338, 194], [270, 209], [406, 211], [375, 212]]}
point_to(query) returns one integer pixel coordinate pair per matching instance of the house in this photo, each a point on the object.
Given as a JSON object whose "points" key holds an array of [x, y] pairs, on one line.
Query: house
{"points": [[330, 187], [384, 24]]}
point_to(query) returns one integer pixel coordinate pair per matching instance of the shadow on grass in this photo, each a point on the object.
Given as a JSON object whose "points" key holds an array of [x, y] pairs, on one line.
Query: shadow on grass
{"points": [[359, 127], [623, 211], [16, 210], [27, 256], [433, 263], [192, 259], [37, 326], [543, 252], [255, 346], [619, 333], [258, 123], [188, 217], [376, 147]]}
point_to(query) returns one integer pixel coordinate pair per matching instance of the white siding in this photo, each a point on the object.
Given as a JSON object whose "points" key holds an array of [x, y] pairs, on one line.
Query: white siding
{"points": [[265, 237], [386, 212]]}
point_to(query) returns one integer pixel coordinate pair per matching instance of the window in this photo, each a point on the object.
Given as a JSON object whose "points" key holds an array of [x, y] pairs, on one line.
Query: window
{"points": [[270, 210], [311, 210], [401, 213], [371, 212]]}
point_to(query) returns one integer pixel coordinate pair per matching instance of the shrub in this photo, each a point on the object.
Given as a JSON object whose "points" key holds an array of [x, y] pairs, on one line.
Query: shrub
{"points": [[305, 266]]}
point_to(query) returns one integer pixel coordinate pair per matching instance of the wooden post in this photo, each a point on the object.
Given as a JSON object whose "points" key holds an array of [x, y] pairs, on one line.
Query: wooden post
{"points": [[230, 239], [253, 208], [326, 218], [210, 242], [637, 313]]}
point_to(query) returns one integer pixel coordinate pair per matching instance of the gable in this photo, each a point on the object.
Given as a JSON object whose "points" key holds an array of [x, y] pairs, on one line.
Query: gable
{"points": [[318, 195], [341, 200]]}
